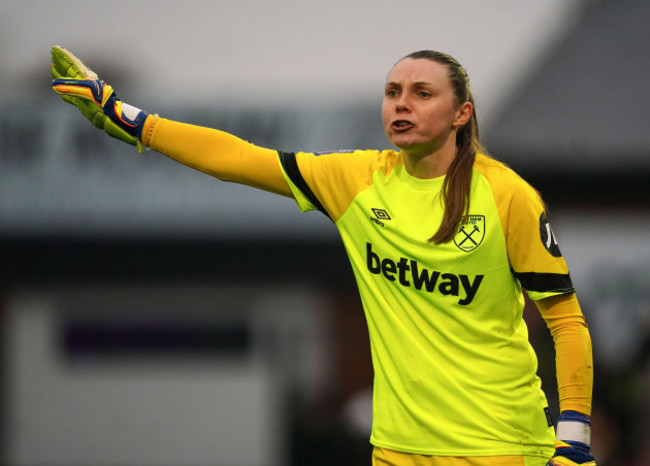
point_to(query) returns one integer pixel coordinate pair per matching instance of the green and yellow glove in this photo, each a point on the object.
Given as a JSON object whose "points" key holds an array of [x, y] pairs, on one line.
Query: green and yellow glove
{"points": [[79, 85]]}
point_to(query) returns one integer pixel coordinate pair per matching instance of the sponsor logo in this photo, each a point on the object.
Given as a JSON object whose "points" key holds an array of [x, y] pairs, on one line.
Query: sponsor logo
{"points": [[380, 216], [547, 236], [409, 273], [470, 233]]}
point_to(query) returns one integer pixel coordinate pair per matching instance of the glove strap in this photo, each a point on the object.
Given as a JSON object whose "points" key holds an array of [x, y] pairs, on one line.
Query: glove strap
{"points": [[573, 426], [131, 119]]}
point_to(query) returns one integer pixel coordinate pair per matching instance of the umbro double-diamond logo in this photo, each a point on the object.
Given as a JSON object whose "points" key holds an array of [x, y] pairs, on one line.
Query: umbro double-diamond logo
{"points": [[379, 216]]}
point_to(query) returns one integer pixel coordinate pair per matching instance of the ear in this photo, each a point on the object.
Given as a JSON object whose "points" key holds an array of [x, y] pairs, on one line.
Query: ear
{"points": [[463, 115]]}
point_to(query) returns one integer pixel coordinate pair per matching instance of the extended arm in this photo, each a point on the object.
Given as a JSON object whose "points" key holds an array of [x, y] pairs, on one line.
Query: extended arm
{"points": [[208, 150], [218, 154]]}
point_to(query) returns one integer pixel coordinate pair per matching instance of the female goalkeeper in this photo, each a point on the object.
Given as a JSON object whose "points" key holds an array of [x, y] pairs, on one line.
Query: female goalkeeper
{"points": [[442, 239]]}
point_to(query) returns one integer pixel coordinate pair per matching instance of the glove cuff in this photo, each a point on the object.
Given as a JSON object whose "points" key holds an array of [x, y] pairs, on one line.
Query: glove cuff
{"points": [[573, 426], [148, 128]]}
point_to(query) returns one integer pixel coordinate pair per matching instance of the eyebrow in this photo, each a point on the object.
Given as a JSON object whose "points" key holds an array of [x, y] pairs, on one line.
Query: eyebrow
{"points": [[416, 84]]}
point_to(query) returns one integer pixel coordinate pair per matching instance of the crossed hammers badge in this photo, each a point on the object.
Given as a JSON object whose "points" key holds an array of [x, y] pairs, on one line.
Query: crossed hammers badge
{"points": [[470, 233]]}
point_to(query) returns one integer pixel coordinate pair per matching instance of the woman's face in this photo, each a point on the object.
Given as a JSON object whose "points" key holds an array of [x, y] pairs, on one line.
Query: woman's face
{"points": [[419, 110]]}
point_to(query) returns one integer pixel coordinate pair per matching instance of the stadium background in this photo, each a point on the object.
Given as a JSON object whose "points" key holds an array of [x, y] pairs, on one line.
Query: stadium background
{"points": [[153, 315]]}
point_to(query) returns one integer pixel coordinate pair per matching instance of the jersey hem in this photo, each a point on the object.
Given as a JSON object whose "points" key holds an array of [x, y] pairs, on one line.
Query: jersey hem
{"points": [[534, 451]]}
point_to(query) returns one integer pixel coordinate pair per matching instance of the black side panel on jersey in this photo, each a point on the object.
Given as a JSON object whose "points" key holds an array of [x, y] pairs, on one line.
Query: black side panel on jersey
{"points": [[543, 282], [288, 161]]}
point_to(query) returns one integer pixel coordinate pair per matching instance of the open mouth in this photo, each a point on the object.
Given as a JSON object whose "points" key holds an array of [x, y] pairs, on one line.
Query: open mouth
{"points": [[402, 125]]}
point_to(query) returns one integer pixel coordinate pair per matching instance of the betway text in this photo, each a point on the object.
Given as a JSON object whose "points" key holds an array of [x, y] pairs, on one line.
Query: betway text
{"points": [[408, 272]]}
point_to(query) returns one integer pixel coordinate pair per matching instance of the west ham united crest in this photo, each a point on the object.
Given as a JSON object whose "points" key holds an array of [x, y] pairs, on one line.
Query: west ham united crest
{"points": [[470, 233]]}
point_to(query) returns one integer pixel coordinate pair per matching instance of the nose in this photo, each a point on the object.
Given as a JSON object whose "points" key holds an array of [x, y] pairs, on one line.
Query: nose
{"points": [[403, 103]]}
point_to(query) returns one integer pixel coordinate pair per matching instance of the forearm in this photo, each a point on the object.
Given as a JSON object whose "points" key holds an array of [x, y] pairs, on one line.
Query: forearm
{"points": [[574, 367], [216, 153], [574, 360]]}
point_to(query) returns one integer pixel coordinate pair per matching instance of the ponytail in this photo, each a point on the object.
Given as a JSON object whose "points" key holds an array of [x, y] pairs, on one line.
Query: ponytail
{"points": [[458, 182]]}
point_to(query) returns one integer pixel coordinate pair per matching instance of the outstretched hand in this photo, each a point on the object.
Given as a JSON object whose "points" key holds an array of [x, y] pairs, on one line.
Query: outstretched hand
{"points": [[80, 86]]}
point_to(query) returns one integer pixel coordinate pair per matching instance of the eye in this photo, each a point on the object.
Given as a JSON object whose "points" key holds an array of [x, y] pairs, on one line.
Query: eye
{"points": [[391, 93], [424, 94]]}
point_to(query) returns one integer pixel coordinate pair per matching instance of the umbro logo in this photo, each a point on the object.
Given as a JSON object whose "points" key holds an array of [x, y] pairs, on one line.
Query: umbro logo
{"points": [[380, 216]]}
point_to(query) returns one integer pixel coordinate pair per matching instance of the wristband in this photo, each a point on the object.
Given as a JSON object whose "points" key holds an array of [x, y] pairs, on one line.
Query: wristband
{"points": [[573, 426]]}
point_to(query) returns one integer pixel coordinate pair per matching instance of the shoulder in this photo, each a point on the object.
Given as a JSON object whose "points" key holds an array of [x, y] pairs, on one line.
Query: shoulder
{"points": [[359, 154], [495, 170], [503, 180], [333, 179], [360, 159]]}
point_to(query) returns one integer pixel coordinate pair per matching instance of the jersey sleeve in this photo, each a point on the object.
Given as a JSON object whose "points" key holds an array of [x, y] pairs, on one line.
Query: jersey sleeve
{"points": [[302, 193], [218, 153], [533, 252], [573, 351], [329, 182]]}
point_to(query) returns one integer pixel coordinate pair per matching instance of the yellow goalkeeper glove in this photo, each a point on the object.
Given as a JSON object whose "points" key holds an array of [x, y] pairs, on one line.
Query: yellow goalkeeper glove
{"points": [[79, 85]]}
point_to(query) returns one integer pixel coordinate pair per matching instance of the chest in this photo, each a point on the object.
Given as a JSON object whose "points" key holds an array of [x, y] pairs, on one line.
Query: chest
{"points": [[398, 219]]}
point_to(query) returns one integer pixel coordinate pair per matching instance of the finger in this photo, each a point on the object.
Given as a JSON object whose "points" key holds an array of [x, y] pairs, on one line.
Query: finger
{"points": [[76, 101], [63, 65], [66, 63], [88, 109], [55, 72], [89, 90], [69, 99], [69, 65]]}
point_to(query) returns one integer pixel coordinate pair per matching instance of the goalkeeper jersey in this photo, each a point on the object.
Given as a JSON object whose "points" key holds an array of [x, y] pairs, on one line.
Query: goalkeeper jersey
{"points": [[455, 374]]}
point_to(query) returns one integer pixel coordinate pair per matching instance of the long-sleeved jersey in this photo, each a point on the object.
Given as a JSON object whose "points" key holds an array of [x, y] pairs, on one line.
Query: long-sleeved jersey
{"points": [[455, 374]]}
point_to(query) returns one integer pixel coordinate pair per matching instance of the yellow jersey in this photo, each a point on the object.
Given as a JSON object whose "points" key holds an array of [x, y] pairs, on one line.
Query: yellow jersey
{"points": [[455, 374]]}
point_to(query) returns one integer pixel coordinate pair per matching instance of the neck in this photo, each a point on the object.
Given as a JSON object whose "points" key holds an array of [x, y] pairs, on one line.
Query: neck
{"points": [[430, 164]]}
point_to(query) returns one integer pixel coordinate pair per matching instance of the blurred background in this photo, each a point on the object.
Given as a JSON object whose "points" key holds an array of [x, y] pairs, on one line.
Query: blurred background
{"points": [[152, 315]]}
